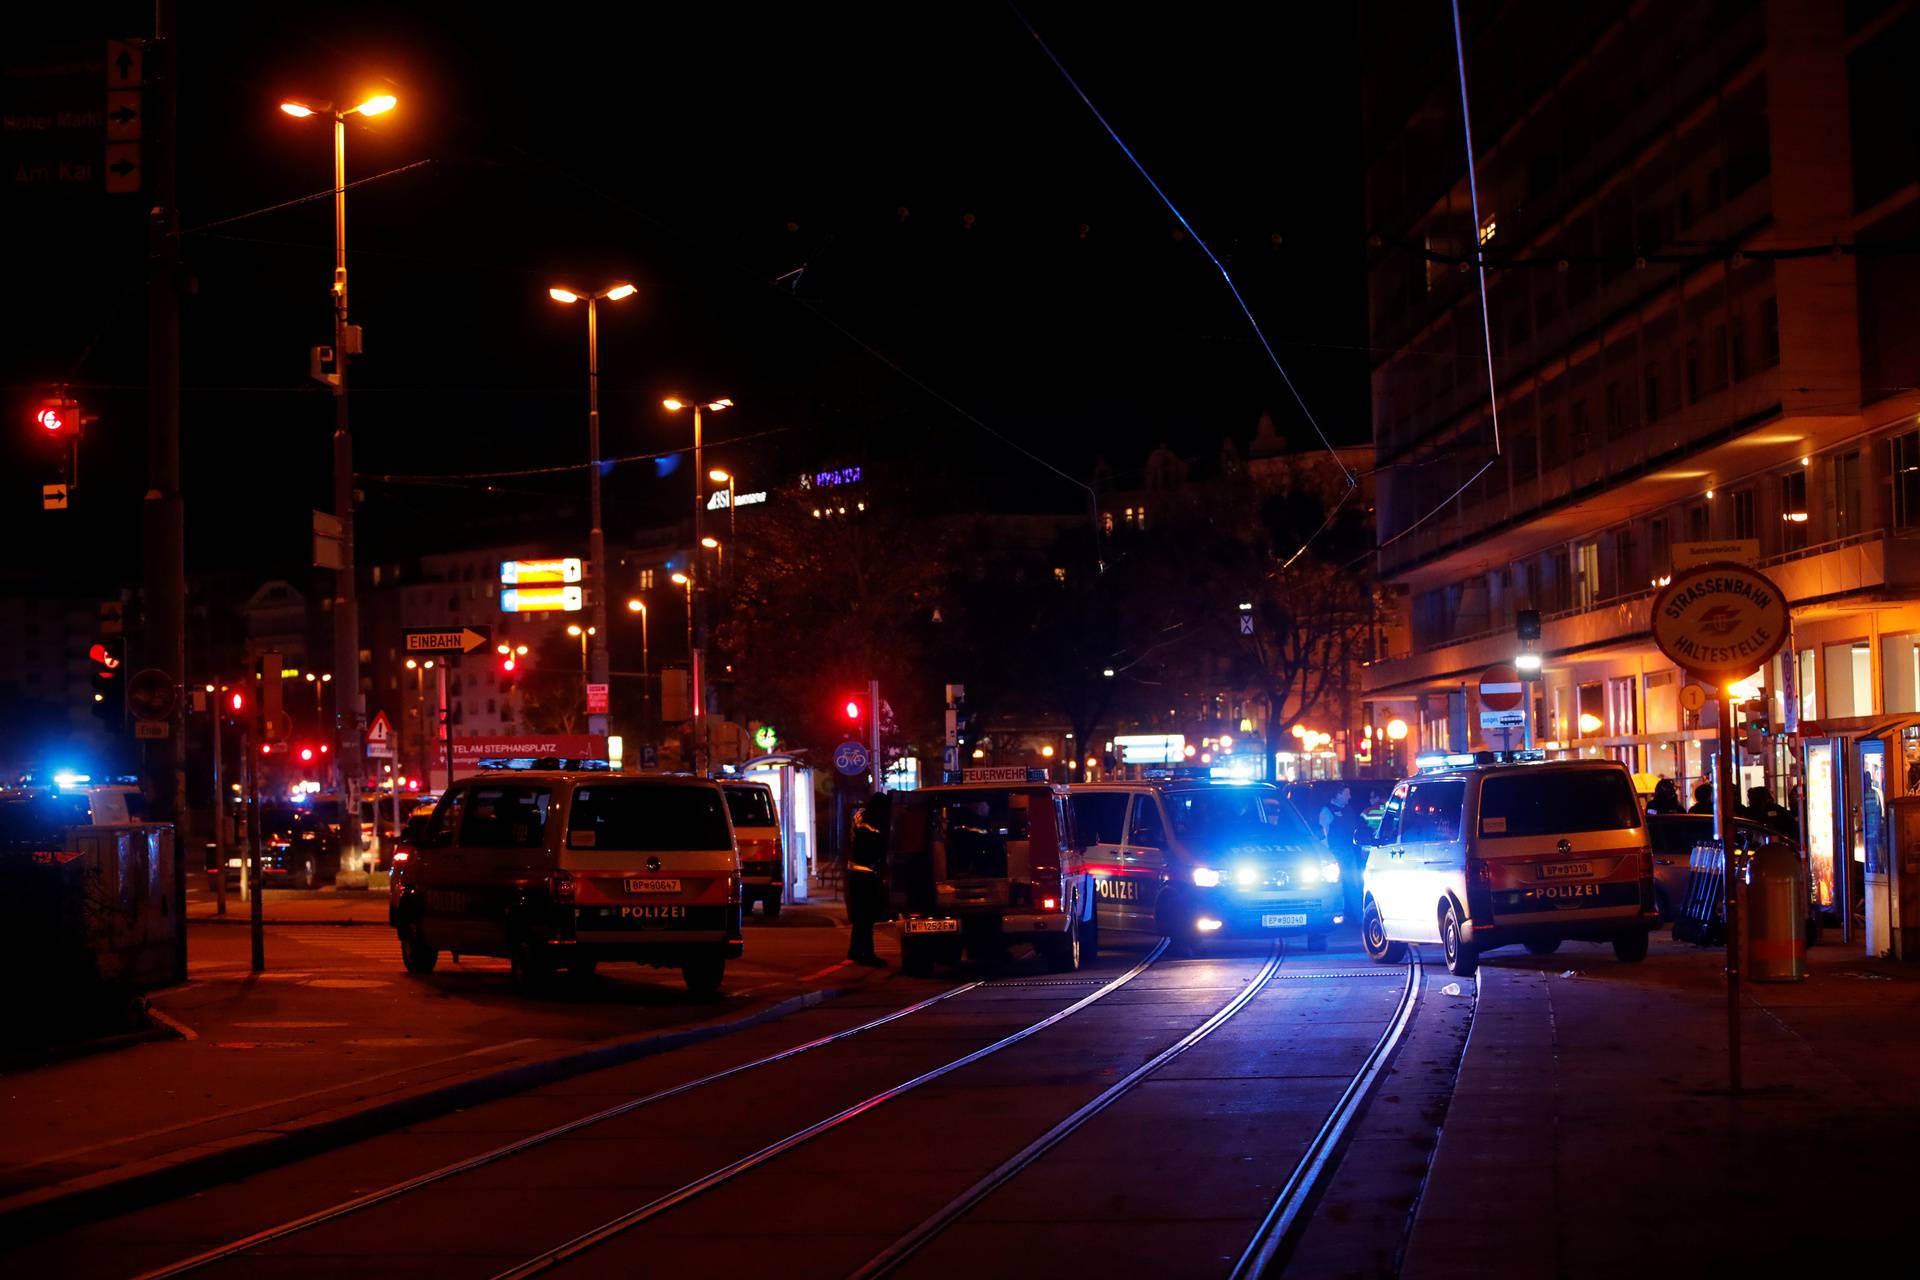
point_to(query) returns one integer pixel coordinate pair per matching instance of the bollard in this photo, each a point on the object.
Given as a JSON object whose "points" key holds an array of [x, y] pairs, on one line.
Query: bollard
{"points": [[1776, 914]]}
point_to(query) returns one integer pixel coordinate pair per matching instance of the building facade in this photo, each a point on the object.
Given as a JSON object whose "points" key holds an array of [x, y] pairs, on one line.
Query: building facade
{"points": [[1698, 220]]}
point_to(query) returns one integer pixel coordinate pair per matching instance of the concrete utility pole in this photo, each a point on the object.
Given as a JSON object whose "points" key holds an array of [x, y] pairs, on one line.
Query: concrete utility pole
{"points": [[348, 749], [165, 541]]}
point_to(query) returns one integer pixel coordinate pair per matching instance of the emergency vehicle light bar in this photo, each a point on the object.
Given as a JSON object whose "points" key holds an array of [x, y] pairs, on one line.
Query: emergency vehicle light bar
{"points": [[1439, 760], [520, 763]]}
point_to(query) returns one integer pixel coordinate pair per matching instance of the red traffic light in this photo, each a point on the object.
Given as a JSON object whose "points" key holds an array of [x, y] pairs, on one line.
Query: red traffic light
{"points": [[852, 709], [239, 701], [56, 414], [104, 656], [306, 755]]}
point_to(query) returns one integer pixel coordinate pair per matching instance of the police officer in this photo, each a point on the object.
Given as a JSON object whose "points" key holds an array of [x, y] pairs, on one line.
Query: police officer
{"points": [[865, 888]]}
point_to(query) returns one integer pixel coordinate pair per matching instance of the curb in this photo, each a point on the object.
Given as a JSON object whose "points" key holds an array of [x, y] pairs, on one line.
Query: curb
{"points": [[33, 1214], [230, 921]]}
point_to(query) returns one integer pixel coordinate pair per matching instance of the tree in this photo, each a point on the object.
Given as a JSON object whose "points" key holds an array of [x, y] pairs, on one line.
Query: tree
{"points": [[551, 688]]}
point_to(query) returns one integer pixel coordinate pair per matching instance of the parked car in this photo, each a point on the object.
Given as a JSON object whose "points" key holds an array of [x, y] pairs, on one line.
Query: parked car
{"points": [[762, 860], [1487, 850], [564, 868]]}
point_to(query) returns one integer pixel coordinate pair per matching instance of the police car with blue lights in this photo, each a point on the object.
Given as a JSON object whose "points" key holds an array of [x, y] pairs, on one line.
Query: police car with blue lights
{"points": [[1192, 859], [1488, 849]]}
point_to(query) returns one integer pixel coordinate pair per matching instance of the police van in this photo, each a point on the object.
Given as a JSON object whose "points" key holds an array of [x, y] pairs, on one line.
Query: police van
{"points": [[560, 868], [1191, 859], [1492, 849], [989, 861], [756, 827]]}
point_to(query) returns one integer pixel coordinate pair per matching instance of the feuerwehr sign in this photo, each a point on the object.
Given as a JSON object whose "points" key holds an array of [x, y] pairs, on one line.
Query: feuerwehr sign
{"points": [[1721, 620]]}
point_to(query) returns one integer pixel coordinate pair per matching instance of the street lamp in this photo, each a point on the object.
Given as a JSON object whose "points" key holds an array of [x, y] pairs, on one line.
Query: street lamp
{"points": [[346, 342], [673, 404], [720, 475], [720, 555], [596, 538], [574, 629]]}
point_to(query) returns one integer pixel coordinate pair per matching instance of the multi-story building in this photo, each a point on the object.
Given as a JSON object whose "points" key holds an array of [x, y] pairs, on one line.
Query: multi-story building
{"points": [[47, 679], [1703, 307]]}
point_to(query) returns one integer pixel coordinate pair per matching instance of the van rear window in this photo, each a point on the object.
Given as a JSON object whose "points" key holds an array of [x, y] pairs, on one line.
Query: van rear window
{"points": [[648, 819], [1547, 802], [750, 806]]}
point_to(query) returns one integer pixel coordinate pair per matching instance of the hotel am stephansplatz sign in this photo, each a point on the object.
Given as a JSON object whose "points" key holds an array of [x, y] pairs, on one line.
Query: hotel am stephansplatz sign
{"points": [[1720, 620]]}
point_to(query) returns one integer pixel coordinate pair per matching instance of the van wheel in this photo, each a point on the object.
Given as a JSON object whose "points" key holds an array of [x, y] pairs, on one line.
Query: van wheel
{"points": [[703, 974], [531, 968], [1373, 932], [770, 907], [1543, 946], [1063, 955], [415, 954], [1462, 959], [916, 958], [1630, 948]]}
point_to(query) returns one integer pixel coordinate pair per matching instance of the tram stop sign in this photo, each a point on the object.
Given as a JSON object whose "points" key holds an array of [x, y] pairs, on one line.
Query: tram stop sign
{"points": [[1500, 687], [1721, 621]]}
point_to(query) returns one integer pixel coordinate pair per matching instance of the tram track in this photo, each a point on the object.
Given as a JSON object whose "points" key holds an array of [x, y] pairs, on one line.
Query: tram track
{"points": [[446, 1173]]}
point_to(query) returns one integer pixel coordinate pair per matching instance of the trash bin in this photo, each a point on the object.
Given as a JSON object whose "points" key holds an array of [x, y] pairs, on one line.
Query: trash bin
{"points": [[1776, 914]]}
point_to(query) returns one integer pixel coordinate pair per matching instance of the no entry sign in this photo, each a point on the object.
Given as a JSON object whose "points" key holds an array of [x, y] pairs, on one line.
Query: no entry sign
{"points": [[1500, 687]]}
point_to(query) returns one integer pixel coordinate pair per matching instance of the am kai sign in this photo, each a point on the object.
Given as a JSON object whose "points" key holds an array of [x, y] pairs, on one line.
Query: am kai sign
{"points": [[1720, 620]]}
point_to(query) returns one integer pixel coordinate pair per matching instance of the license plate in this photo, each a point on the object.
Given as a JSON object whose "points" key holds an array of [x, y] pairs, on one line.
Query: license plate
{"points": [[653, 886], [1565, 870], [933, 926], [1282, 922]]}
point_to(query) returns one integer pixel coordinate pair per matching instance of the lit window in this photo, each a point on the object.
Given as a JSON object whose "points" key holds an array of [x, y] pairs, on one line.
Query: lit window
{"points": [[1489, 228], [1059, 573], [646, 579]]}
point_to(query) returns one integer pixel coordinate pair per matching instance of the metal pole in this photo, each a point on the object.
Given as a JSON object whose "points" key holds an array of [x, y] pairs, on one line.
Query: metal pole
{"points": [[873, 724], [696, 599], [1724, 811], [646, 680], [446, 715], [219, 812], [257, 908], [346, 603], [596, 539], [164, 544]]}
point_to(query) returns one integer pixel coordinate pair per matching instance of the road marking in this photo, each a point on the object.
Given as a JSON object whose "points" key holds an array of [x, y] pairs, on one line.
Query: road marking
{"points": [[821, 973], [174, 1025]]}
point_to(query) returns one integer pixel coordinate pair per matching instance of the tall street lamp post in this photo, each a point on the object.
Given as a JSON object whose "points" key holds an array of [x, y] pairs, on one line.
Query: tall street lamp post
{"points": [[346, 342], [639, 606], [697, 630], [685, 582], [599, 668], [721, 476]]}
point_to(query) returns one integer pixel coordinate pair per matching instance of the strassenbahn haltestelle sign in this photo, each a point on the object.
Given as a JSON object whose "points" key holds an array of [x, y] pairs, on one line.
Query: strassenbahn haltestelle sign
{"points": [[1720, 620]]}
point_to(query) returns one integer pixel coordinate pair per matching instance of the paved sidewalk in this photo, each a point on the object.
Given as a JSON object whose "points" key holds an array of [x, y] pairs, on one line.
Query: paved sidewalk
{"points": [[334, 1032], [1591, 1134]]}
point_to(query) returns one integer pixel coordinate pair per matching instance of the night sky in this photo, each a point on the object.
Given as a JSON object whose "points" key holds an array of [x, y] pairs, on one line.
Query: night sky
{"points": [[700, 156]]}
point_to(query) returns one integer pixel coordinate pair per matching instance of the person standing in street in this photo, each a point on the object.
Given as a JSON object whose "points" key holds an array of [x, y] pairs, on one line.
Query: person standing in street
{"points": [[865, 889], [1339, 827]]}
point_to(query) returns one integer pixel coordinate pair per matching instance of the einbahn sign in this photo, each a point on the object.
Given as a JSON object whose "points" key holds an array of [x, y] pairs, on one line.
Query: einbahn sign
{"points": [[1720, 620], [448, 639]]}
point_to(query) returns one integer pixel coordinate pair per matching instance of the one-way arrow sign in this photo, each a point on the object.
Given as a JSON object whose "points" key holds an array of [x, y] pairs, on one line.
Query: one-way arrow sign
{"points": [[123, 166], [123, 64], [123, 115], [448, 639]]}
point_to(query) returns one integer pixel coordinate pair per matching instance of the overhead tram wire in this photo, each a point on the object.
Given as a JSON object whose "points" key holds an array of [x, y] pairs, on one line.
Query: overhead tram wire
{"points": [[1198, 239], [558, 468]]}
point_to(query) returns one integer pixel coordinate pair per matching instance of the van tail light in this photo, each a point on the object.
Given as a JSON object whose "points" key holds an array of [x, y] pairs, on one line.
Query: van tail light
{"points": [[560, 884], [1479, 873], [400, 856], [1049, 904]]}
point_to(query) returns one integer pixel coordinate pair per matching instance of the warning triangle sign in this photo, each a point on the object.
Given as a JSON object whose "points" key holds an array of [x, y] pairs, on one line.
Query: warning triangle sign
{"points": [[381, 730]]}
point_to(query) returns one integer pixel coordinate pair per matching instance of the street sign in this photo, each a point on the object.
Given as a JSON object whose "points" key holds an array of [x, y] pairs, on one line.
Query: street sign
{"points": [[1693, 697], [123, 115], [124, 64], [1691, 555], [329, 541], [596, 699], [541, 573], [1246, 624], [153, 728], [1500, 688], [123, 166], [649, 755], [447, 639], [112, 616], [850, 758], [151, 695], [53, 497], [276, 726], [1722, 621], [542, 600], [1514, 718], [380, 737]]}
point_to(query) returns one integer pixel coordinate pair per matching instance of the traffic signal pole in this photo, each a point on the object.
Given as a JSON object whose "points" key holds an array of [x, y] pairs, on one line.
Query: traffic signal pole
{"points": [[1726, 806], [165, 576], [348, 748]]}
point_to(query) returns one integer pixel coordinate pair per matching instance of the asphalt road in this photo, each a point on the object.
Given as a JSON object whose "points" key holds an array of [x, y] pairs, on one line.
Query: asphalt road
{"points": [[820, 1162]]}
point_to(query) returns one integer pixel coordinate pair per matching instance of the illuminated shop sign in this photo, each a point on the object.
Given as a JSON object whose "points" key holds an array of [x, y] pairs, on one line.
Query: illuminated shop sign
{"points": [[718, 502], [830, 479]]}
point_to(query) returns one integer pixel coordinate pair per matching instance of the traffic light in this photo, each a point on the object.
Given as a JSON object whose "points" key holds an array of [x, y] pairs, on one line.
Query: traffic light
{"points": [[237, 703], [57, 416], [109, 679], [1758, 733]]}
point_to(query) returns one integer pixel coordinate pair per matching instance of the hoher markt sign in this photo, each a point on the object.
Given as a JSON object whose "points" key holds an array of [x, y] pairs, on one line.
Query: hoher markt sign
{"points": [[1720, 620]]}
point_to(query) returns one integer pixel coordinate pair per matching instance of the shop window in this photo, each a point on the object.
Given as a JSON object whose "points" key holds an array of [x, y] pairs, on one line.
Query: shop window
{"points": [[1659, 552], [1904, 467], [1849, 679], [1586, 575], [1699, 523], [1808, 686], [1624, 565], [1593, 709], [1623, 707], [1900, 671]]}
